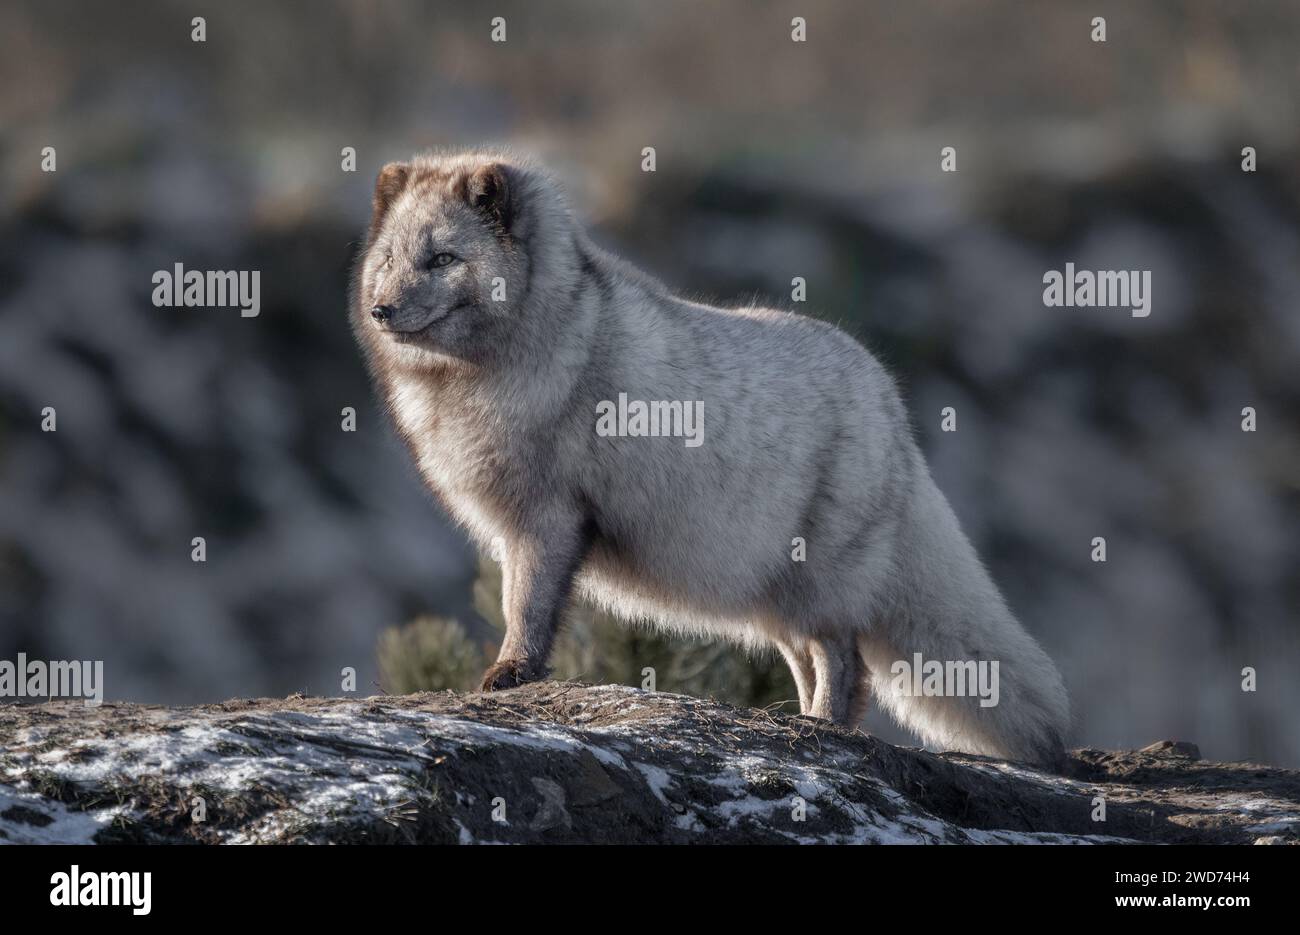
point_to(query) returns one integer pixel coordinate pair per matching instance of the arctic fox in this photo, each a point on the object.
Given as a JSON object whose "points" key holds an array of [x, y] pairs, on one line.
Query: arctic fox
{"points": [[512, 354]]}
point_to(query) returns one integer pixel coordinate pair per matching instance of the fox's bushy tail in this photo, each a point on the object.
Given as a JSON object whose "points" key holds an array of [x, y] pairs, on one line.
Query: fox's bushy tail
{"points": [[947, 609]]}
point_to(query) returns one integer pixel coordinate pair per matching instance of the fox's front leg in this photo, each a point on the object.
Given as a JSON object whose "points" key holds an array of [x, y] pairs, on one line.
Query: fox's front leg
{"points": [[536, 581]]}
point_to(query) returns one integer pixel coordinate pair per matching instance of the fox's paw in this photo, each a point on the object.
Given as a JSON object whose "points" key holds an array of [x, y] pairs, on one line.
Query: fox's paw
{"points": [[509, 673]]}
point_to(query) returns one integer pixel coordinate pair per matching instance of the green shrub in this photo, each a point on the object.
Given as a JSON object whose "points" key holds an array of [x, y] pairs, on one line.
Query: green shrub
{"points": [[433, 653], [429, 654]]}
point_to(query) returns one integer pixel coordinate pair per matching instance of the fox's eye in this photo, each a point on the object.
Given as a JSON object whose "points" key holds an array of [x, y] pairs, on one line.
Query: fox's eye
{"points": [[440, 260], [388, 261]]}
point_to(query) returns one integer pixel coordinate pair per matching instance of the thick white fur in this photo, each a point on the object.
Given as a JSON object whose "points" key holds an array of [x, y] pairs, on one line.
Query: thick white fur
{"points": [[805, 437]]}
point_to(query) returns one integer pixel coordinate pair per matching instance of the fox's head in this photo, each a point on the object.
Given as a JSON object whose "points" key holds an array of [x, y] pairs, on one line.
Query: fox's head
{"points": [[447, 263]]}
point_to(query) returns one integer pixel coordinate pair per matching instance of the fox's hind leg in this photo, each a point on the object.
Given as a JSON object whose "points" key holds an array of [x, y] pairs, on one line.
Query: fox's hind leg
{"points": [[841, 694], [860, 699], [799, 659]]}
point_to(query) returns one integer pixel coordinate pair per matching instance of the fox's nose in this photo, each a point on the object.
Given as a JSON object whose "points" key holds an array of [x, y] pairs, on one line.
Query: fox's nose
{"points": [[381, 313]]}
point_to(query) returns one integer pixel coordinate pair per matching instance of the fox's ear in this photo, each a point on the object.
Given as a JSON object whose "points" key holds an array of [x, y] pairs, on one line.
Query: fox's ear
{"points": [[388, 185], [489, 189]]}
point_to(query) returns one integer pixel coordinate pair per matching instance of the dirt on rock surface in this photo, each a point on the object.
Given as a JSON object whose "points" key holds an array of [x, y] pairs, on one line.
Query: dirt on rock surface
{"points": [[565, 762]]}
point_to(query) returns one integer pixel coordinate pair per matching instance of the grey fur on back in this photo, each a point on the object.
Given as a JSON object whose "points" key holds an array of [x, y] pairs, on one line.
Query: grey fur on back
{"points": [[804, 438]]}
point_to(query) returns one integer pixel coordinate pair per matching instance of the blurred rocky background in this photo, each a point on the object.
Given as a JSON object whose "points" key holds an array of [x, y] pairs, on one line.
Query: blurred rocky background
{"points": [[775, 159]]}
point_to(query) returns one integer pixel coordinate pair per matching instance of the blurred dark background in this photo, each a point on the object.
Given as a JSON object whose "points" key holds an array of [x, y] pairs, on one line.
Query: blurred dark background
{"points": [[775, 159]]}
